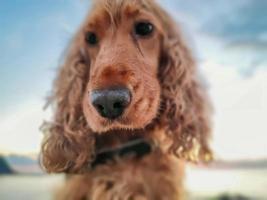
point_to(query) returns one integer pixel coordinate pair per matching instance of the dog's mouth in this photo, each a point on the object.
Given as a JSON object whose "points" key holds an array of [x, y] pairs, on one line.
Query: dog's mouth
{"points": [[119, 126]]}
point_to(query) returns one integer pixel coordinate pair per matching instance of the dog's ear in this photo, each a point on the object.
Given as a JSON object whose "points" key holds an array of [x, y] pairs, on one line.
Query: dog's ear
{"points": [[186, 106], [69, 142]]}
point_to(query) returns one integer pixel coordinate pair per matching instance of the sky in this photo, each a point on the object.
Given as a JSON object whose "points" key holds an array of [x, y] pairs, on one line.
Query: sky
{"points": [[228, 38]]}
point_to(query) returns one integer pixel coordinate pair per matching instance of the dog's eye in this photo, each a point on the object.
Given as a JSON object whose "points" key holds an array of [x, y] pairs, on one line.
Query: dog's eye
{"points": [[143, 28], [91, 38]]}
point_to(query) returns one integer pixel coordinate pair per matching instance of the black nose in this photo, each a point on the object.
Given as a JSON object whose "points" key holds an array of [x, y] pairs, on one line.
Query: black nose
{"points": [[110, 103]]}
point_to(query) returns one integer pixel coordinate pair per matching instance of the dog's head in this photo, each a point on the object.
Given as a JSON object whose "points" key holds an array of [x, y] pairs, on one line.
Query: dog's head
{"points": [[127, 68], [122, 42]]}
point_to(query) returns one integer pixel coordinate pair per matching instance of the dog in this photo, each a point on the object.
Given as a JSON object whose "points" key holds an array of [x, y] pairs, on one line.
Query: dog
{"points": [[129, 108]]}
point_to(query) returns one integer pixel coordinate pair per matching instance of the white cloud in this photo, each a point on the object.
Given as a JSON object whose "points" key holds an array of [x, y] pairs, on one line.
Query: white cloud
{"points": [[240, 130], [19, 127]]}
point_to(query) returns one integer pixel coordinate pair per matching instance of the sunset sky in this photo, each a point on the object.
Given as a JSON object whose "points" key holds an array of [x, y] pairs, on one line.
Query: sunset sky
{"points": [[229, 40]]}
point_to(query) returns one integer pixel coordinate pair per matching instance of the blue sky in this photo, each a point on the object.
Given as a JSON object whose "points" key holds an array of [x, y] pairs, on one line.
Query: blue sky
{"points": [[229, 39], [33, 35]]}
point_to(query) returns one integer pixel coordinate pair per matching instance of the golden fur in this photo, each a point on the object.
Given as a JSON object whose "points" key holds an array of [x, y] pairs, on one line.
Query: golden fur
{"points": [[168, 105]]}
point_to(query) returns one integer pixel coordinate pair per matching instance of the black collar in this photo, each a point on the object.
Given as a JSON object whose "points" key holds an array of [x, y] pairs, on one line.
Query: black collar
{"points": [[137, 148]]}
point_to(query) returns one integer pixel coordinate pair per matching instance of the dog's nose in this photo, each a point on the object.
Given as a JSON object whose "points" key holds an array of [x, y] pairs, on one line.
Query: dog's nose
{"points": [[110, 103]]}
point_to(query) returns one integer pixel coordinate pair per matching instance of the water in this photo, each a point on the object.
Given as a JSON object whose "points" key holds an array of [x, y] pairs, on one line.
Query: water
{"points": [[29, 187], [201, 184], [206, 183]]}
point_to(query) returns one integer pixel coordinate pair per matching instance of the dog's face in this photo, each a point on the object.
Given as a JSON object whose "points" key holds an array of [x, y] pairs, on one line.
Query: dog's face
{"points": [[123, 45]]}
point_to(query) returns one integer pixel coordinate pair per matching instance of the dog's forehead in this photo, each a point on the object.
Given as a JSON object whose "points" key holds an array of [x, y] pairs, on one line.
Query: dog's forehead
{"points": [[114, 10]]}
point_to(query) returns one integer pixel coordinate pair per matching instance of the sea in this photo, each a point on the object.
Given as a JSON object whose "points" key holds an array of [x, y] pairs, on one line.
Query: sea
{"points": [[201, 184]]}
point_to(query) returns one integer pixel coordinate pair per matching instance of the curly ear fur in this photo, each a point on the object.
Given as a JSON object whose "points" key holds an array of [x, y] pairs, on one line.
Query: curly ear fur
{"points": [[186, 108], [69, 142]]}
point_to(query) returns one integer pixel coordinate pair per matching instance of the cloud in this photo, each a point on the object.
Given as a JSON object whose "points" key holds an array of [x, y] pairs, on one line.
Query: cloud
{"points": [[19, 127], [232, 32], [242, 32], [245, 22], [240, 112]]}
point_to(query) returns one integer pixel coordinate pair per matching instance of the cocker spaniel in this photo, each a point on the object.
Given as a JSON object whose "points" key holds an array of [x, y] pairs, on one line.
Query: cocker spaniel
{"points": [[129, 108]]}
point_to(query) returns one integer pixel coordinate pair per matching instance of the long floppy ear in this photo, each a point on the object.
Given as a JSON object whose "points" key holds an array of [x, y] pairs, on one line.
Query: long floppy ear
{"points": [[186, 108], [69, 143]]}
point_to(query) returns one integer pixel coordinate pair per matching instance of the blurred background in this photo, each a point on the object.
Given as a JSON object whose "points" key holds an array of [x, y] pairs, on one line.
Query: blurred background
{"points": [[229, 40]]}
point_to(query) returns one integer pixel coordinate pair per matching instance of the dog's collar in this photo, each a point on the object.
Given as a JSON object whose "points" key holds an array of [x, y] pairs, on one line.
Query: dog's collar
{"points": [[137, 148]]}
